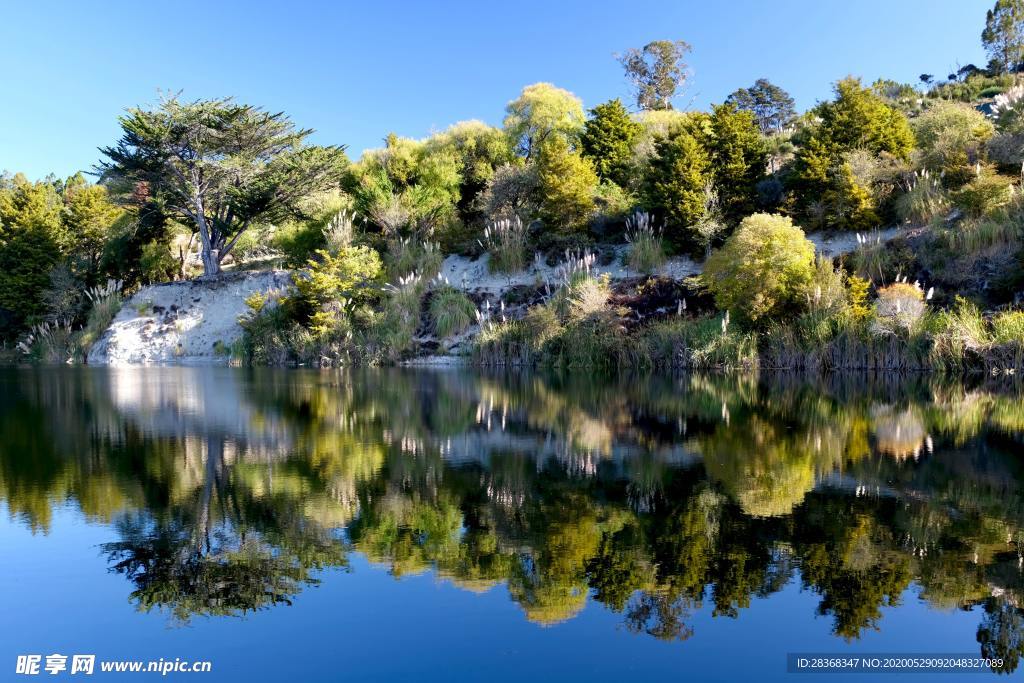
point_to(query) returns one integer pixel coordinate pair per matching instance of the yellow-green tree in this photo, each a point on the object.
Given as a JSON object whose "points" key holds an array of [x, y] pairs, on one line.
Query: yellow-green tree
{"points": [[763, 269]]}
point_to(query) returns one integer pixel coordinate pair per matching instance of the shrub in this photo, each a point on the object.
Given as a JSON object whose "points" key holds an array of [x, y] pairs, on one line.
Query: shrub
{"points": [[900, 308], [952, 136], [512, 191], [646, 253], [157, 263], [763, 269], [984, 195], [329, 287], [1007, 150], [297, 242], [451, 311], [505, 241]]}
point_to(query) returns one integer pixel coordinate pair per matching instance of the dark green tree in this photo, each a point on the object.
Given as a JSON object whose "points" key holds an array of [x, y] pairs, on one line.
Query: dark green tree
{"points": [[219, 166], [739, 159], [609, 136], [675, 181], [771, 105], [857, 119]]}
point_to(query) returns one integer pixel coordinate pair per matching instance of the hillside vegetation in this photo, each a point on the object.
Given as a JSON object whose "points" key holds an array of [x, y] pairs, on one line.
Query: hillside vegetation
{"points": [[563, 191]]}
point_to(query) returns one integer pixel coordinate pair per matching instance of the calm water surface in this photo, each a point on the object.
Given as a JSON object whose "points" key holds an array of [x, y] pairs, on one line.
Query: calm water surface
{"points": [[445, 525]]}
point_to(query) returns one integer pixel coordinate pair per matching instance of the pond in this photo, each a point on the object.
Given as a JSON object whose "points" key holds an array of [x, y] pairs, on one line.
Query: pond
{"points": [[450, 525]]}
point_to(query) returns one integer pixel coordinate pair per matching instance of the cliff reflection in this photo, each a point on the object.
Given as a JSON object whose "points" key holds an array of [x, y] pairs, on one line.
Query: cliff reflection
{"points": [[228, 491]]}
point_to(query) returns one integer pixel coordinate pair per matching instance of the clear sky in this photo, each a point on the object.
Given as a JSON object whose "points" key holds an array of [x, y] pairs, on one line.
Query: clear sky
{"points": [[356, 70]]}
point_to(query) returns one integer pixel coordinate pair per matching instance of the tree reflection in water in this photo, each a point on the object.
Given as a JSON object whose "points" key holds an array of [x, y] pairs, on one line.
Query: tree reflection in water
{"points": [[231, 490]]}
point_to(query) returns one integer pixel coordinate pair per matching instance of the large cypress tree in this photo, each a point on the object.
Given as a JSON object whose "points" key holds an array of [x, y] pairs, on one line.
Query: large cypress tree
{"points": [[219, 166]]}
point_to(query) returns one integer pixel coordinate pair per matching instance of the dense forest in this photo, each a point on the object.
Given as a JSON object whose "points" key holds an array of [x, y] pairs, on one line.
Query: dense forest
{"points": [[194, 188]]}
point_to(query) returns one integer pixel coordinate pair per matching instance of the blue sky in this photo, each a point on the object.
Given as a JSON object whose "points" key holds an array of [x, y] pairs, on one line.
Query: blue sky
{"points": [[356, 70]]}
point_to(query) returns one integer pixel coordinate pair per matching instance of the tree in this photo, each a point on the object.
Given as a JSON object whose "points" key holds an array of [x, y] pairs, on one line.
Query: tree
{"points": [[739, 159], [88, 217], [857, 119], [219, 166], [762, 270], [33, 239], [1003, 36], [407, 186], [541, 112], [675, 181], [608, 139], [657, 72], [567, 184], [771, 105], [480, 150], [512, 192]]}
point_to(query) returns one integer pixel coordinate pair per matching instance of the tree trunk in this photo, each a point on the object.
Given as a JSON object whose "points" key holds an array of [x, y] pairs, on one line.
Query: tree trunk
{"points": [[211, 260], [211, 263]]}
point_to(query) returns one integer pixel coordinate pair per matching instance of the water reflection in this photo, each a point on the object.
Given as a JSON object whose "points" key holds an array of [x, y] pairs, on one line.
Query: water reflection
{"points": [[227, 491]]}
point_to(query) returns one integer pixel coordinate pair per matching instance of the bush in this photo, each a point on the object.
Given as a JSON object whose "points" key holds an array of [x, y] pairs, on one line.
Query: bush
{"points": [[952, 136], [762, 270], [157, 263], [984, 195], [1006, 150], [900, 308], [646, 253], [451, 311], [329, 288]]}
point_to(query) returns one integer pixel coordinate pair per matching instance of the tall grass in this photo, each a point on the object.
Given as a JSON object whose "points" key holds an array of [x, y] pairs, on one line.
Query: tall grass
{"points": [[451, 311], [709, 342], [338, 231], [923, 200], [408, 255], [105, 302], [646, 253], [505, 241], [49, 342], [871, 260]]}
